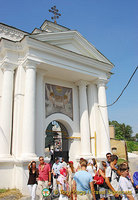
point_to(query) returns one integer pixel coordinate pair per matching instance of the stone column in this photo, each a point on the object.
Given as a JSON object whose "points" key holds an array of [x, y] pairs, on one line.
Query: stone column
{"points": [[103, 114], [84, 120], [6, 109], [28, 137], [93, 106], [40, 113]]}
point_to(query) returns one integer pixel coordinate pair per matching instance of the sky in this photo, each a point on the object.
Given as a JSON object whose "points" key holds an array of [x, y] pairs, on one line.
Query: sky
{"points": [[110, 25]]}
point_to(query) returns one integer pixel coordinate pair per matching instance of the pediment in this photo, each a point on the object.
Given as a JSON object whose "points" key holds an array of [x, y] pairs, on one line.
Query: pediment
{"points": [[71, 41]]}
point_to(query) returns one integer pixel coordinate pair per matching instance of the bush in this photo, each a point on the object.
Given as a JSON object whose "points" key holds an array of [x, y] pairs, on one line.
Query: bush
{"points": [[120, 161], [132, 146]]}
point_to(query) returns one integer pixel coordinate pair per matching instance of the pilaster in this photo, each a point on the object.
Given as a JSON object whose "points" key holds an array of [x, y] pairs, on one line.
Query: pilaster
{"points": [[84, 119], [6, 108], [93, 107]]}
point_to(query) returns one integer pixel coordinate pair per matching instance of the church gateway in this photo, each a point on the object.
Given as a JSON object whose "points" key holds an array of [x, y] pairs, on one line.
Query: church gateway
{"points": [[52, 77]]}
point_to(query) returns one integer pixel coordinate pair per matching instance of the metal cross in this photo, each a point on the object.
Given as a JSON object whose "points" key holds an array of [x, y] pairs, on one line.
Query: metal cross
{"points": [[55, 12]]}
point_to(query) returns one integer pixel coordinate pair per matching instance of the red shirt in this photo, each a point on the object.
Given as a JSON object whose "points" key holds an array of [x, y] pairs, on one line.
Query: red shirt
{"points": [[44, 173]]}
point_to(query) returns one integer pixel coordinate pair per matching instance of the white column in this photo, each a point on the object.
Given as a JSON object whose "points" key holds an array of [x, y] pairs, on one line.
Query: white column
{"points": [[40, 113], [93, 106], [18, 111], [103, 114], [6, 110], [84, 120], [28, 138]]}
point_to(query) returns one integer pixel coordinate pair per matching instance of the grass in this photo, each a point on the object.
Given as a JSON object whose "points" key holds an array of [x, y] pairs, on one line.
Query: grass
{"points": [[14, 193], [3, 190]]}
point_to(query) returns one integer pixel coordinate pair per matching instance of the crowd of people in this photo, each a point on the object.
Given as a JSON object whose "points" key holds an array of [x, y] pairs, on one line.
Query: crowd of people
{"points": [[88, 180]]}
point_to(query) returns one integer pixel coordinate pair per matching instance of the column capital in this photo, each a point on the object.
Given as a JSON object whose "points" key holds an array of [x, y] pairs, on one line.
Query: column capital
{"points": [[82, 83], [101, 82], [30, 64], [8, 66]]}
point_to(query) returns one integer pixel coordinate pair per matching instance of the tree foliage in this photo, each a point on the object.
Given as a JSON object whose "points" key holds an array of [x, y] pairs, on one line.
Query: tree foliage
{"points": [[132, 146], [122, 131]]}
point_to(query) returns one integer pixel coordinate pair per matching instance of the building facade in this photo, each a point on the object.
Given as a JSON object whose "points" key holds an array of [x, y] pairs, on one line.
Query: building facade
{"points": [[51, 74]]}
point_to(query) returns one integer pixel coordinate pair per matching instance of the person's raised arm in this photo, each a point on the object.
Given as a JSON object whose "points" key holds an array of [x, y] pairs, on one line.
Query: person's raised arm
{"points": [[101, 173], [114, 168], [29, 166]]}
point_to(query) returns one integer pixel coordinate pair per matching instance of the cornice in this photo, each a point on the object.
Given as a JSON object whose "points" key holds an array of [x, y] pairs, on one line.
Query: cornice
{"points": [[10, 45], [69, 55], [64, 37], [11, 33], [91, 48], [50, 26]]}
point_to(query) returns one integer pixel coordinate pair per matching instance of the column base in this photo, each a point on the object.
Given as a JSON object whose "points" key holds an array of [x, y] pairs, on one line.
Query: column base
{"points": [[5, 156]]}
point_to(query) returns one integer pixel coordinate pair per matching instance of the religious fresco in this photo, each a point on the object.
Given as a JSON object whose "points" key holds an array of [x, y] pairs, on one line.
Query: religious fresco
{"points": [[58, 99]]}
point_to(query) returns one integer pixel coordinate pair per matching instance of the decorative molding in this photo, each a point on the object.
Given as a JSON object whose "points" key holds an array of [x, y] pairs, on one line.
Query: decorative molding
{"points": [[58, 38], [30, 64], [82, 83], [72, 138], [63, 53], [101, 82], [10, 33], [52, 27], [8, 66]]}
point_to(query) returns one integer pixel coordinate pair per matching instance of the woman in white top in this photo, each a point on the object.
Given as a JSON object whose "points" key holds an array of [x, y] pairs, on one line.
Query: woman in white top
{"points": [[90, 168]]}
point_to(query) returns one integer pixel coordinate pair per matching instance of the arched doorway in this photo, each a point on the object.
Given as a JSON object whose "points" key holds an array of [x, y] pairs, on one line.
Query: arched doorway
{"points": [[56, 140]]}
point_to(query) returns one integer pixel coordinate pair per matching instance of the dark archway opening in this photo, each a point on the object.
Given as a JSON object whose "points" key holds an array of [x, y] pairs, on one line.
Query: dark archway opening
{"points": [[56, 140]]}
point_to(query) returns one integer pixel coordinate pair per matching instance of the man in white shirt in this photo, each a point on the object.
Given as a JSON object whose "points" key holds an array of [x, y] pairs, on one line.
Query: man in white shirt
{"points": [[108, 156], [111, 179], [56, 172]]}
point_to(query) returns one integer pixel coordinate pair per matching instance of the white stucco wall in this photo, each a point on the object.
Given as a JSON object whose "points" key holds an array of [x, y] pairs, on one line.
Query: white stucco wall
{"points": [[1, 81], [63, 66]]}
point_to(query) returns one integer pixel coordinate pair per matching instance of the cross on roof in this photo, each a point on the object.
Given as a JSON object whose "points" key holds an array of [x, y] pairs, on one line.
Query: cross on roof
{"points": [[55, 12]]}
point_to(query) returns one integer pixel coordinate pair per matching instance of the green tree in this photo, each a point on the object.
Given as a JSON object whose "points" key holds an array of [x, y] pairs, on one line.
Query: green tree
{"points": [[122, 131], [136, 136]]}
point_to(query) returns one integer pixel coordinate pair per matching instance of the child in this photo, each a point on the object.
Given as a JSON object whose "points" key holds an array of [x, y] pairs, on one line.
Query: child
{"points": [[63, 184], [126, 186]]}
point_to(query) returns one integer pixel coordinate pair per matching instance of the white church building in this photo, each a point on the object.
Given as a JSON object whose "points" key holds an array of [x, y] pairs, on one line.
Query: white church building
{"points": [[51, 74]]}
